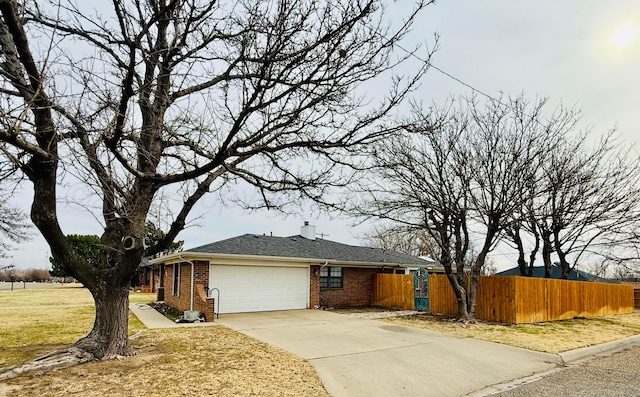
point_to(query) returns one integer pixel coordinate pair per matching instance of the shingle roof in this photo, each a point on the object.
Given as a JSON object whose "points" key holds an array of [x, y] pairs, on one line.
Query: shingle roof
{"points": [[300, 247], [556, 272]]}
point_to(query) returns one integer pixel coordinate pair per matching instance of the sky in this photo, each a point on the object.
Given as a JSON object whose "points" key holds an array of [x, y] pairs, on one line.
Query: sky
{"points": [[582, 53]]}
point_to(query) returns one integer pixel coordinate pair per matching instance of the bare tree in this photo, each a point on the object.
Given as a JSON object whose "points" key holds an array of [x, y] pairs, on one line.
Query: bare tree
{"points": [[404, 239], [508, 141], [589, 202], [464, 173], [14, 227], [421, 182], [522, 224], [159, 98]]}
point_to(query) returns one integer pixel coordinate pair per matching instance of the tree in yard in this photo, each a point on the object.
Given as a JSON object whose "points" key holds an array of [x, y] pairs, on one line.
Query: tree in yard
{"points": [[463, 169], [174, 98], [589, 203], [522, 223], [420, 181], [508, 141], [13, 226]]}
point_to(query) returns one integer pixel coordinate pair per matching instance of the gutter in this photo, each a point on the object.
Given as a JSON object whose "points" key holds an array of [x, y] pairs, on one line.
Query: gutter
{"points": [[193, 277]]}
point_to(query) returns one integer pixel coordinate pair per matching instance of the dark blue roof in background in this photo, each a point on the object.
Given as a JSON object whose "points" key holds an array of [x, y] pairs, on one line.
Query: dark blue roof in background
{"points": [[556, 272]]}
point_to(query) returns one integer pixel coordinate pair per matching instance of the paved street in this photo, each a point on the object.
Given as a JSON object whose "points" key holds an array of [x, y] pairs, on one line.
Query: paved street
{"points": [[615, 375], [6, 286]]}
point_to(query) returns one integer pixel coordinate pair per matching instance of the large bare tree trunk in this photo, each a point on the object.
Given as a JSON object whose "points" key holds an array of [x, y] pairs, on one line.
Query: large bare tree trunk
{"points": [[562, 256], [517, 240], [107, 340], [455, 280], [461, 298], [534, 251], [109, 337]]}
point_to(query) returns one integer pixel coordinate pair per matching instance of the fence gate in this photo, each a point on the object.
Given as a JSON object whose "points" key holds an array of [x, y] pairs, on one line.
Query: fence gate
{"points": [[421, 289]]}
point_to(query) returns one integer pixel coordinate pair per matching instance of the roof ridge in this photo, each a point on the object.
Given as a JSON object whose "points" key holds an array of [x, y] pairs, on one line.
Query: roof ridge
{"points": [[297, 246]]}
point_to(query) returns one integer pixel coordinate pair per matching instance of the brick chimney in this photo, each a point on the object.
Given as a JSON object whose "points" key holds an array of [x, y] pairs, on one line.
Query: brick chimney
{"points": [[308, 231]]}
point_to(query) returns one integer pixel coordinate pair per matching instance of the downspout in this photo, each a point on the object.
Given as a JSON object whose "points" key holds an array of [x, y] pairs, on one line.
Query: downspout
{"points": [[193, 277]]}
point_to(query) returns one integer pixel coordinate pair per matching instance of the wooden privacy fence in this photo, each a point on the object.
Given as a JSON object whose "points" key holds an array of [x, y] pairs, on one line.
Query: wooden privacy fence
{"points": [[393, 290], [636, 295], [515, 300]]}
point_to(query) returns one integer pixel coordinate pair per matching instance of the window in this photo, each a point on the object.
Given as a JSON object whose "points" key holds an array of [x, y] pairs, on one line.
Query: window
{"points": [[176, 279], [331, 277], [405, 271]]}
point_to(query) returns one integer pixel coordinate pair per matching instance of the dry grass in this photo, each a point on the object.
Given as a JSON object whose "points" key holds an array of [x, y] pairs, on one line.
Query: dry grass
{"points": [[551, 337], [36, 321], [70, 294], [216, 360], [208, 361], [184, 361]]}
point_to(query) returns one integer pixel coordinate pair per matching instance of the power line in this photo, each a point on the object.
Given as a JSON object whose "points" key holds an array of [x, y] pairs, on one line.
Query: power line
{"points": [[464, 84], [447, 74]]}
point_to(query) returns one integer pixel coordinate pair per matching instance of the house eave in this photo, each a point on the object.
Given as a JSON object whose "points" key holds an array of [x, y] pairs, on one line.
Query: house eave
{"points": [[191, 256], [186, 256]]}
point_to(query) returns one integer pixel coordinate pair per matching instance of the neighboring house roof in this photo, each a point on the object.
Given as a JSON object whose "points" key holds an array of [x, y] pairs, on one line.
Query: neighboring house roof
{"points": [[303, 248], [556, 272], [145, 262]]}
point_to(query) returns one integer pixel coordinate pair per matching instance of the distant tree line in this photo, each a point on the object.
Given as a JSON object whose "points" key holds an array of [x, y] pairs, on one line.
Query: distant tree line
{"points": [[90, 247], [27, 275], [14, 225]]}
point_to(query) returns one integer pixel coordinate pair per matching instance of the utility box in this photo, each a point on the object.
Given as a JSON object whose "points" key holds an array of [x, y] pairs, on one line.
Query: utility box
{"points": [[191, 315]]}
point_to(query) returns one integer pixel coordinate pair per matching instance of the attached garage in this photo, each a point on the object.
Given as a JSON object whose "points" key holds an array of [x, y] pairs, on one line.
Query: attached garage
{"points": [[246, 288], [255, 273]]}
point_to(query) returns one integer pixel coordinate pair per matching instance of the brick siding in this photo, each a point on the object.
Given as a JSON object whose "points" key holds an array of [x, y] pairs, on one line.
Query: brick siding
{"points": [[182, 301], [314, 287], [356, 289]]}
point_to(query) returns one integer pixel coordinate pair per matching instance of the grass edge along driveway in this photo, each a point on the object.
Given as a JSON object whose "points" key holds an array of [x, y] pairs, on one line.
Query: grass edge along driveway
{"points": [[549, 337]]}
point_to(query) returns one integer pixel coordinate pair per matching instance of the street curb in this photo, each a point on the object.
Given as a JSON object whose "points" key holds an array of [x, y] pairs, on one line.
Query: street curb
{"points": [[566, 358], [604, 349]]}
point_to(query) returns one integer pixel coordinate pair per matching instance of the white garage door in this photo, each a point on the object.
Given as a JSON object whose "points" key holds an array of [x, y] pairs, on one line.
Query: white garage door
{"points": [[259, 288]]}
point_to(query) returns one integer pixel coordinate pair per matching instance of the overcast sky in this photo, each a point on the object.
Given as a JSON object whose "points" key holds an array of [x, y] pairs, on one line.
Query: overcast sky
{"points": [[558, 49]]}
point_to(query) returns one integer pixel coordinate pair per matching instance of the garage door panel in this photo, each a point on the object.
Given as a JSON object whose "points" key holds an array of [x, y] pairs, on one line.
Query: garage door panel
{"points": [[260, 288]]}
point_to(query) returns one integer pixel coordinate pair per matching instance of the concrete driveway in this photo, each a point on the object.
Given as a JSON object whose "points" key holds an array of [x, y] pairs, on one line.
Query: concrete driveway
{"points": [[359, 357]]}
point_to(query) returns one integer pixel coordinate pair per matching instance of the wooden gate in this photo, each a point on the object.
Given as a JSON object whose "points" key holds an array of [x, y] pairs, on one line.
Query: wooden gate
{"points": [[421, 290]]}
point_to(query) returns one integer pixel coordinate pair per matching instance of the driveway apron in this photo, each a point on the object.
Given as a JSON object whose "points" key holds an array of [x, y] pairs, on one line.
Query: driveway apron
{"points": [[360, 357]]}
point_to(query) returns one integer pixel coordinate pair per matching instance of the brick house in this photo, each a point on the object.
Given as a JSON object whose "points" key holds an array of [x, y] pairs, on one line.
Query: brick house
{"points": [[147, 277], [252, 273]]}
